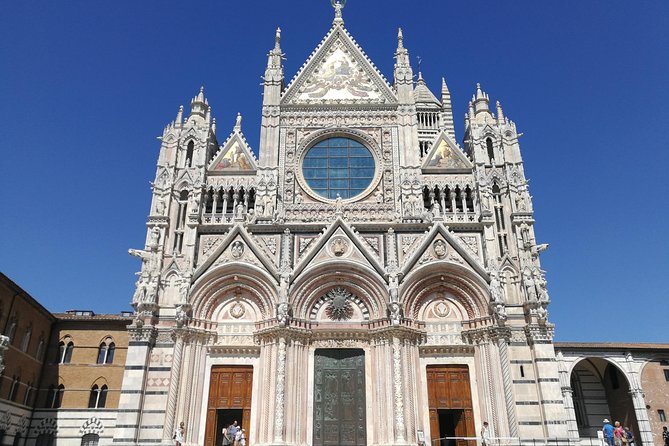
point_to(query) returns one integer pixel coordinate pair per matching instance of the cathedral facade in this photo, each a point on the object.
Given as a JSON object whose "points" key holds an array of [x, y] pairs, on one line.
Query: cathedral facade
{"points": [[366, 280]]}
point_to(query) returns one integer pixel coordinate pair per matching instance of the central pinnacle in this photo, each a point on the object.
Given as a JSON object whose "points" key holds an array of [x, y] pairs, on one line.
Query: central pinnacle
{"points": [[338, 5]]}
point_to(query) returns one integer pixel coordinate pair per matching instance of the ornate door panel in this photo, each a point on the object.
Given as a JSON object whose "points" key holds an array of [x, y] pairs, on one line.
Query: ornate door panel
{"points": [[229, 388], [449, 395], [339, 397]]}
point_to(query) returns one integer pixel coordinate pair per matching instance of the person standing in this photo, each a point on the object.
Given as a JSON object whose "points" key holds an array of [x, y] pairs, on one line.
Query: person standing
{"points": [[485, 435], [629, 437], [226, 437], [607, 429], [232, 433], [242, 437], [665, 435], [179, 434], [618, 434]]}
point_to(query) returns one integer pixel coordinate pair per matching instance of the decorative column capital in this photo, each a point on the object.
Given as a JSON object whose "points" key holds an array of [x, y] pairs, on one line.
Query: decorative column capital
{"points": [[539, 334], [144, 333]]}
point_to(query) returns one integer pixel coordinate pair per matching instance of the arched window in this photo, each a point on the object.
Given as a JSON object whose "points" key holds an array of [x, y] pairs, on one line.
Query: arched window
{"points": [[491, 151], [54, 396], [28, 395], [65, 352], [102, 353], [39, 355], [11, 331], [93, 398], [98, 397], [25, 342], [189, 154], [110, 353], [14, 389], [90, 440]]}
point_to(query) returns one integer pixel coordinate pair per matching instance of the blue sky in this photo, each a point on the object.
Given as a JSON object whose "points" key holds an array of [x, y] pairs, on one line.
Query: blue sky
{"points": [[86, 88]]}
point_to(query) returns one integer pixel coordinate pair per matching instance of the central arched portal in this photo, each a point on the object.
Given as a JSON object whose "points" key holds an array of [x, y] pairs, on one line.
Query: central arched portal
{"points": [[339, 397]]}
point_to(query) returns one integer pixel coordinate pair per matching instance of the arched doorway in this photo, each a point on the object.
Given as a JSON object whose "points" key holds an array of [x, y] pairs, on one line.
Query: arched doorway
{"points": [[601, 390]]}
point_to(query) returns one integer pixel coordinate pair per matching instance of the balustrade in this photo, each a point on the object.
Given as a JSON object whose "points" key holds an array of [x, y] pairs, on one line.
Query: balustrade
{"points": [[222, 205]]}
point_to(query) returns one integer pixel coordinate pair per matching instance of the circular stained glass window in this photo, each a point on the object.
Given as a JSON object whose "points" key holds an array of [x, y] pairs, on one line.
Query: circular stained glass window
{"points": [[338, 166]]}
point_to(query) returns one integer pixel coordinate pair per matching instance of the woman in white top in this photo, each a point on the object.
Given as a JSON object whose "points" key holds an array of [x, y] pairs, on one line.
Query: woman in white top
{"points": [[179, 434]]}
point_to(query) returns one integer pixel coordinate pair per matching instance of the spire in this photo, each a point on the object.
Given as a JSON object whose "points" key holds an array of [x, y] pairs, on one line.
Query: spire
{"points": [[447, 109], [480, 100], [422, 93], [500, 113], [199, 104], [338, 5], [403, 72], [238, 123], [180, 115]]}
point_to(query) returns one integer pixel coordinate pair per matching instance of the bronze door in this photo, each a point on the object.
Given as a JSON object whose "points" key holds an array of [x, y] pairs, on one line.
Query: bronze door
{"points": [[339, 397]]}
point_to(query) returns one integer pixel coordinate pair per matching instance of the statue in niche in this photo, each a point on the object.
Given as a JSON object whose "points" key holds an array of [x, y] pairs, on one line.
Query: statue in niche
{"points": [[194, 202], [530, 286], [298, 198], [150, 256], [160, 206]]}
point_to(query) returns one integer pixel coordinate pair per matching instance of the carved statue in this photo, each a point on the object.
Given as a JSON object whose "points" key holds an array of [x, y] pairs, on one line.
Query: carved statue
{"points": [[194, 202], [499, 312], [530, 287], [543, 292], [283, 314], [495, 287], [160, 206], [395, 313], [181, 315], [298, 198], [439, 247]]}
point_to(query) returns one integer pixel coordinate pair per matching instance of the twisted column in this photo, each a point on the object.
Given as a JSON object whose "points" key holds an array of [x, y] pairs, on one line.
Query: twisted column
{"points": [[508, 386], [399, 400], [280, 390], [174, 384]]}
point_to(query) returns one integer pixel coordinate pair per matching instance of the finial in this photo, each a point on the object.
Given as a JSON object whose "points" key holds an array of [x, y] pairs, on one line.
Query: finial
{"points": [[338, 5], [277, 38], [420, 75], [238, 123], [400, 38]]}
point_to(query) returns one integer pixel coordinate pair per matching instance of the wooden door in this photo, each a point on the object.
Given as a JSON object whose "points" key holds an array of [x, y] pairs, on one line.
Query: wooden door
{"points": [[449, 389], [339, 398], [230, 388]]}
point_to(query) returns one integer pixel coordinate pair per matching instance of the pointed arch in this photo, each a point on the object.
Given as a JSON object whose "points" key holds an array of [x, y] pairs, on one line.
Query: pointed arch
{"points": [[470, 290], [363, 282], [214, 287]]}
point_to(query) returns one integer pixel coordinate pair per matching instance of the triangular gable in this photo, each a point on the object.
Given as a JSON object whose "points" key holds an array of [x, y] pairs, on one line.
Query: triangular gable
{"points": [[439, 231], [446, 156], [338, 229], [338, 72], [250, 251], [234, 157]]}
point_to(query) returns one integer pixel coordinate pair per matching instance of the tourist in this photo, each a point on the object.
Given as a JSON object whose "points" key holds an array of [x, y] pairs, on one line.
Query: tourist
{"points": [[665, 435], [232, 433], [618, 434], [240, 439], [607, 429], [485, 436], [629, 437], [179, 434], [226, 437]]}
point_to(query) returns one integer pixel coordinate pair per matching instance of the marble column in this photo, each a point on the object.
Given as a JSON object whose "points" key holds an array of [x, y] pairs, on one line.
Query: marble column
{"points": [[175, 374]]}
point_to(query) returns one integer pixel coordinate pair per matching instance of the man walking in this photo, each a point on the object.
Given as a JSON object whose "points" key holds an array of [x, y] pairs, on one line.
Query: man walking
{"points": [[485, 436], [608, 432]]}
